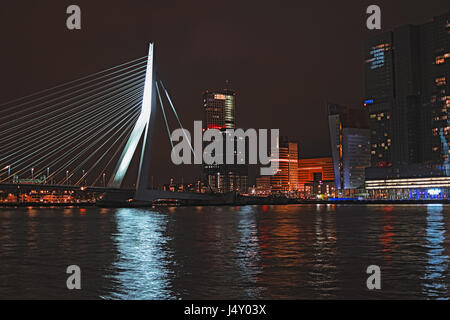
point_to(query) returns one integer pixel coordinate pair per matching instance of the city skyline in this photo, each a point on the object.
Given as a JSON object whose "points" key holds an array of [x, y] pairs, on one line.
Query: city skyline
{"points": [[225, 151], [177, 60]]}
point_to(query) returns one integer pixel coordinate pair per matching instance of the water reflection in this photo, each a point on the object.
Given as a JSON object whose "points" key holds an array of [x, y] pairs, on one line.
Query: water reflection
{"points": [[387, 238], [324, 267], [141, 266], [248, 251], [436, 270]]}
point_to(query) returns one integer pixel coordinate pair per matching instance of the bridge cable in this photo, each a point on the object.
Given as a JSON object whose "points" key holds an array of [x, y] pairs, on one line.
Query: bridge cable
{"points": [[40, 134], [46, 115], [178, 118], [164, 114], [78, 121], [70, 82], [120, 129], [118, 149], [66, 165], [179, 122], [89, 133], [76, 136]]}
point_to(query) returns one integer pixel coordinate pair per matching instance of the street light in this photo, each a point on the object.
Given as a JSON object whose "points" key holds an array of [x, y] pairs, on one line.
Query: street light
{"points": [[104, 180], [67, 177], [32, 175]]}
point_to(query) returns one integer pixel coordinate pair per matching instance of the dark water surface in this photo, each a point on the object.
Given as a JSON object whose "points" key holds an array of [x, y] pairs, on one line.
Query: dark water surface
{"points": [[249, 252]]}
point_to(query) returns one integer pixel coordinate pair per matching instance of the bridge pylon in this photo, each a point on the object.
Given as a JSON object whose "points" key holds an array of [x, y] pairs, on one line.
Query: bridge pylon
{"points": [[143, 129]]}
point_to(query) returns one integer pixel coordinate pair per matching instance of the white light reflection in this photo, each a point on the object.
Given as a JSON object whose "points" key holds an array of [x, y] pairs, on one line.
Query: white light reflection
{"points": [[248, 251], [436, 268], [143, 256]]}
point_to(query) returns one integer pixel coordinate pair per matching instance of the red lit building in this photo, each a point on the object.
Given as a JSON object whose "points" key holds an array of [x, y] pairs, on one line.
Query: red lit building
{"points": [[316, 177]]}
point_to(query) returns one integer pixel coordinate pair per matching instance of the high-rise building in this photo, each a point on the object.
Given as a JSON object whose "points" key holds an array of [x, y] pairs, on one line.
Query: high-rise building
{"points": [[350, 142], [407, 74], [219, 112], [285, 181], [219, 109]]}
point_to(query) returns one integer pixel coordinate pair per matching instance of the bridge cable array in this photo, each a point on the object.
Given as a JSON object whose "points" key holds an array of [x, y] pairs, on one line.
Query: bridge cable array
{"points": [[175, 113], [53, 135], [178, 120]]}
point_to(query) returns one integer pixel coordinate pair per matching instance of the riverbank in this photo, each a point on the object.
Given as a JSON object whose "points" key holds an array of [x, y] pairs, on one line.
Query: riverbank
{"points": [[237, 202], [46, 204]]}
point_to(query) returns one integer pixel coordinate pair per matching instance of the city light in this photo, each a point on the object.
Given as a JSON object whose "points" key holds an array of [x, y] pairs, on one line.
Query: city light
{"points": [[434, 192]]}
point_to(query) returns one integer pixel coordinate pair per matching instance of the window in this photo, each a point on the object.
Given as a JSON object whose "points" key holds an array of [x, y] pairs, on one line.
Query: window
{"points": [[440, 81], [440, 60]]}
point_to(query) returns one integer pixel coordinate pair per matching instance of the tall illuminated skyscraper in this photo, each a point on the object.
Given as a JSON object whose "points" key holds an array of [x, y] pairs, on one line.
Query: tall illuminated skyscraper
{"points": [[219, 109], [219, 113], [407, 73]]}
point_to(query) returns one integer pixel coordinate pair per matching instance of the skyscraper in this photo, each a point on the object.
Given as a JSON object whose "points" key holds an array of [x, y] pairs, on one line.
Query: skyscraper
{"points": [[285, 181], [350, 142], [219, 109], [407, 73], [219, 112]]}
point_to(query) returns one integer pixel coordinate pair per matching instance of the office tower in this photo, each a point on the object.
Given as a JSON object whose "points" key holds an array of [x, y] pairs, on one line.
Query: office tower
{"points": [[379, 83], [219, 109], [407, 73], [219, 113], [350, 142], [316, 177], [285, 181]]}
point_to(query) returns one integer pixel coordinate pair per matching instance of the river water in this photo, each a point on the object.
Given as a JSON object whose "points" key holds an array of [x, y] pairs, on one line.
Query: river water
{"points": [[248, 252]]}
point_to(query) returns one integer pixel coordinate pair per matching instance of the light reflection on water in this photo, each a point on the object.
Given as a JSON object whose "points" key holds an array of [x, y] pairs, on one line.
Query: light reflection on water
{"points": [[437, 266], [142, 252], [248, 252]]}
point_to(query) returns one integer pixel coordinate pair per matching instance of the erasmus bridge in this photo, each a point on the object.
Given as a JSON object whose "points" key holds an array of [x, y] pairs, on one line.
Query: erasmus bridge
{"points": [[70, 136]]}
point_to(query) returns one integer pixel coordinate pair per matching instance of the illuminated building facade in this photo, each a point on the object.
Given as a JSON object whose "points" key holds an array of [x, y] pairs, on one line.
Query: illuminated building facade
{"points": [[350, 144], [407, 95], [219, 113], [219, 109], [316, 177], [416, 181], [436, 89], [379, 79], [263, 186], [285, 181]]}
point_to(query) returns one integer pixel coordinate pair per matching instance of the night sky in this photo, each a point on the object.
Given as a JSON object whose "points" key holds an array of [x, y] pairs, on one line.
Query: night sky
{"points": [[284, 59]]}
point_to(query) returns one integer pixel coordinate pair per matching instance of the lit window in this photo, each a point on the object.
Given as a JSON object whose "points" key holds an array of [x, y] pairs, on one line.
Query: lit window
{"points": [[440, 81], [440, 60]]}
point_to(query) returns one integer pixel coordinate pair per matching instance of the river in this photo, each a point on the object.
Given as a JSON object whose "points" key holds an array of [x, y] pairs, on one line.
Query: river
{"points": [[248, 252]]}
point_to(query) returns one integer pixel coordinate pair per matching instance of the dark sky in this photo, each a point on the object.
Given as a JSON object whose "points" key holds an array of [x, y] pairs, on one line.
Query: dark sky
{"points": [[284, 59]]}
